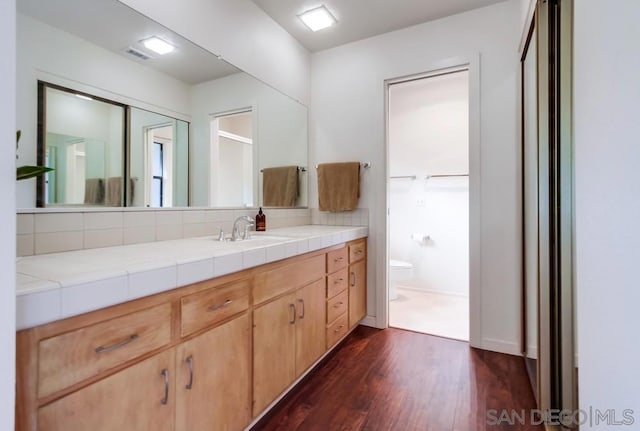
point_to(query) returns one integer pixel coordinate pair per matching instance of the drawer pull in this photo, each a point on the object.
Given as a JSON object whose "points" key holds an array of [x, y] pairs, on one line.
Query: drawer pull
{"points": [[339, 304], [165, 374], [338, 281], [219, 306], [189, 362], [338, 329], [353, 279], [292, 307], [338, 259], [103, 349], [359, 251], [301, 301]]}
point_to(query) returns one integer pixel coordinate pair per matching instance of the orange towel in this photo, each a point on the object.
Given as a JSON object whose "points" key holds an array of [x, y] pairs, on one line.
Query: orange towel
{"points": [[338, 186]]}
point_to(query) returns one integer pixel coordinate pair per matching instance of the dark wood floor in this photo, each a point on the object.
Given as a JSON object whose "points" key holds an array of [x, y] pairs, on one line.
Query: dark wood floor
{"points": [[400, 380]]}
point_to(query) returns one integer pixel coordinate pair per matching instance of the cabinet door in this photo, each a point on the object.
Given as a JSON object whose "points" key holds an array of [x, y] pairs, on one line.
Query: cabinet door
{"points": [[140, 397], [213, 385], [310, 324], [357, 292], [274, 344]]}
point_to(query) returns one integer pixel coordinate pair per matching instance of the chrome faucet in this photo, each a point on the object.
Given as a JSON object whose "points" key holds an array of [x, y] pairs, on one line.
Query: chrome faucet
{"points": [[235, 233]]}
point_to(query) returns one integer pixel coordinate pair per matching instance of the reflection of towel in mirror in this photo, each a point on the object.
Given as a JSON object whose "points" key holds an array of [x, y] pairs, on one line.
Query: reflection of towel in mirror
{"points": [[338, 186], [132, 190], [94, 191], [280, 186], [114, 192]]}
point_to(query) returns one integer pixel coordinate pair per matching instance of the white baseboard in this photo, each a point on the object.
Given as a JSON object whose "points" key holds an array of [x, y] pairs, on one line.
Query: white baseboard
{"points": [[440, 292], [500, 346], [369, 321]]}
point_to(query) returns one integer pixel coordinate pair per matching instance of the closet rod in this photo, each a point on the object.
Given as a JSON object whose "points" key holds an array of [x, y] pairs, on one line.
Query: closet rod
{"points": [[445, 175]]}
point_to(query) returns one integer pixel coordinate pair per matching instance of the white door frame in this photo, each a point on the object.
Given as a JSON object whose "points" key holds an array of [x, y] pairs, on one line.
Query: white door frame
{"points": [[472, 64]]}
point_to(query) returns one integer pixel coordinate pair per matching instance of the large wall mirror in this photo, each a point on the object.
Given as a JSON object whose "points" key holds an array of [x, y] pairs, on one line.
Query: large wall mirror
{"points": [[123, 125]]}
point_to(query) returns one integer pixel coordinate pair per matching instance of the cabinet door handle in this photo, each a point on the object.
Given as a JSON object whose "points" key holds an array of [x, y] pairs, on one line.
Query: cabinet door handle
{"points": [[219, 306], [301, 301], [338, 259], [359, 251], [338, 329], [292, 307], [339, 304], [165, 374], [189, 362], [103, 349], [353, 279]]}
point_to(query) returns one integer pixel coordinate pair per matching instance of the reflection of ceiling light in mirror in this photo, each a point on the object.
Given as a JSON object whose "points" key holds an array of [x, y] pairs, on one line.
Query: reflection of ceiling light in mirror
{"points": [[318, 18], [157, 45], [82, 96]]}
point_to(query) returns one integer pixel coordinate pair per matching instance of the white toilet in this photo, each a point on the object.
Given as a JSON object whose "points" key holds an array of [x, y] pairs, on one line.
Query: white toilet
{"points": [[399, 272]]}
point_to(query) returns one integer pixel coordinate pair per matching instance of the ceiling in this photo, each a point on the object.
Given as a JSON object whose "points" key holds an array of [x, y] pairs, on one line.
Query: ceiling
{"points": [[359, 19], [115, 27]]}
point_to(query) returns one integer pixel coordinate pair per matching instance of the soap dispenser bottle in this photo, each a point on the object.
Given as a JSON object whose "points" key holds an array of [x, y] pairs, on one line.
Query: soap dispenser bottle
{"points": [[261, 221]]}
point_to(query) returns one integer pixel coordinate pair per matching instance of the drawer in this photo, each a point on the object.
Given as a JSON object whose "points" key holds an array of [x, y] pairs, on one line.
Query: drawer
{"points": [[337, 306], [269, 284], [357, 251], [336, 260], [337, 330], [205, 308], [337, 282], [70, 358]]}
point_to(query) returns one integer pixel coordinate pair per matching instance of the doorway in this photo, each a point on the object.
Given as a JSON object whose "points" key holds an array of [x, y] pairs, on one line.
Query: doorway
{"points": [[428, 201]]}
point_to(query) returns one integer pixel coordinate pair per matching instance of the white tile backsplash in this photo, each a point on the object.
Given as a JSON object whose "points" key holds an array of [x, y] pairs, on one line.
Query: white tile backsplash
{"points": [[64, 231], [25, 224], [103, 238], [103, 220], [58, 241], [59, 222]]}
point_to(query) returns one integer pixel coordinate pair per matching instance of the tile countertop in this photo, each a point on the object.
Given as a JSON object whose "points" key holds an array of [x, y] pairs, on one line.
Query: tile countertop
{"points": [[59, 285]]}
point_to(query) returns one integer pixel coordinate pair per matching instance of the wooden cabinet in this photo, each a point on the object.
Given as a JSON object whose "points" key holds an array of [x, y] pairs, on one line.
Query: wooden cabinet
{"points": [[288, 337], [138, 398], [213, 384], [357, 282], [274, 343], [209, 356]]}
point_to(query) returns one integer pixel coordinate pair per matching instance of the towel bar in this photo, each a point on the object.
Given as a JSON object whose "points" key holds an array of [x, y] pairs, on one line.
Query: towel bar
{"points": [[365, 165]]}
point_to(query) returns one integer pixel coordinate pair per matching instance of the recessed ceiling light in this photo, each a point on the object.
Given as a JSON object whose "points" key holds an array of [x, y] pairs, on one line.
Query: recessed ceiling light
{"points": [[157, 45], [82, 96], [318, 18]]}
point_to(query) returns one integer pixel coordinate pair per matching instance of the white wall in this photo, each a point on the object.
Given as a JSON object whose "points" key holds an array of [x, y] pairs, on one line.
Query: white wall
{"points": [[7, 213], [347, 112], [242, 34], [607, 201], [279, 135], [85, 67]]}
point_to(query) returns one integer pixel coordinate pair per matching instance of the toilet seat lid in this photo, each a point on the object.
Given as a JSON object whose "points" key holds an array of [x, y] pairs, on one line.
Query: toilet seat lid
{"points": [[399, 264]]}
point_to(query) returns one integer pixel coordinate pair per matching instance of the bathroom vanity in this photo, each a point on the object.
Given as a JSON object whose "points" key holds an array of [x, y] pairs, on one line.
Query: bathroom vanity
{"points": [[214, 353]]}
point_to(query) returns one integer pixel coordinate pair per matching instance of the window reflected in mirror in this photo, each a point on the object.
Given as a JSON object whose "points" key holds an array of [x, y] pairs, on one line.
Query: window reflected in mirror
{"points": [[158, 160]]}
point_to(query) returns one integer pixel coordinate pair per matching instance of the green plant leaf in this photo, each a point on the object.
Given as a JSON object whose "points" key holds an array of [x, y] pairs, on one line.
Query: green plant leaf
{"points": [[26, 172]]}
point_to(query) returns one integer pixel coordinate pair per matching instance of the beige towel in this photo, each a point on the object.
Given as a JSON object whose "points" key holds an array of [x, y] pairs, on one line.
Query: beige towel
{"points": [[94, 191], [338, 186], [280, 186], [114, 192]]}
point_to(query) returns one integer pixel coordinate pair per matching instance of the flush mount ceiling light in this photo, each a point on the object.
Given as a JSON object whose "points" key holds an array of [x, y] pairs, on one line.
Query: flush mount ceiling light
{"points": [[318, 18], [157, 45]]}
